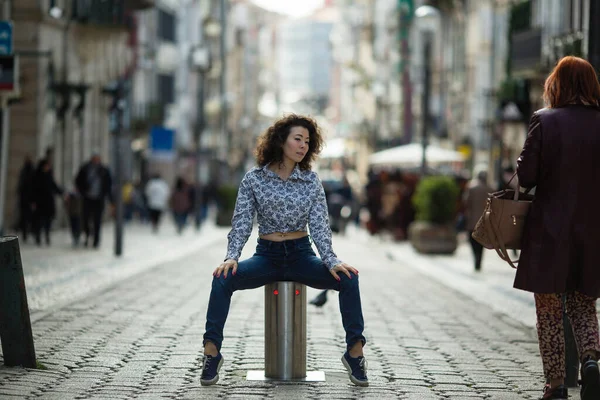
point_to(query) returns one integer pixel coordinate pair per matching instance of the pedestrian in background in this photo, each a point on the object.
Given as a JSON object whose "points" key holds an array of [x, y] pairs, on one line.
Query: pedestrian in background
{"points": [[94, 183], [373, 193], [128, 194], [286, 196], [44, 207], [157, 194], [74, 208], [475, 198], [559, 255], [181, 203], [197, 203], [25, 190], [406, 210], [140, 203], [209, 197]]}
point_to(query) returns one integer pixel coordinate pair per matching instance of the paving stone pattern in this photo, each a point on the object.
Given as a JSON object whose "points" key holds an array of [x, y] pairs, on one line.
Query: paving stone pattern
{"points": [[141, 339], [61, 274]]}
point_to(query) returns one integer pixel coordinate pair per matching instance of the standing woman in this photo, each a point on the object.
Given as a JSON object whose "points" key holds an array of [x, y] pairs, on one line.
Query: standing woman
{"points": [[157, 192], [562, 232], [44, 208], [180, 203], [286, 196]]}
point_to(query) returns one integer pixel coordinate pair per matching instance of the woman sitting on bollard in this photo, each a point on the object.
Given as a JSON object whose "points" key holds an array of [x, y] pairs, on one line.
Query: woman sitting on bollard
{"points": [[287, 196], [559, 254]]}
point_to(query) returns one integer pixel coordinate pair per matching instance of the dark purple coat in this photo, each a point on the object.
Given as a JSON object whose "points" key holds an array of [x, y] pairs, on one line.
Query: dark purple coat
{"points": [[561, 238]]}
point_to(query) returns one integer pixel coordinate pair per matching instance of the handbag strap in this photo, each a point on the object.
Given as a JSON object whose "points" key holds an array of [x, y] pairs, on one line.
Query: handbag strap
{"points": [[498, 241], [518, 189]]}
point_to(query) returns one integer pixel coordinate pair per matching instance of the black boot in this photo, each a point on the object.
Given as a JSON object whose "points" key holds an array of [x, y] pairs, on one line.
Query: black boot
{"points": [[590, 379], [320, 300]]}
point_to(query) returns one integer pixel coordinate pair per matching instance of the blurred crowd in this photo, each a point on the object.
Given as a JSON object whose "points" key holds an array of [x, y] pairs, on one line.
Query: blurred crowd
{"points": [[86, 200], [385, 203]]}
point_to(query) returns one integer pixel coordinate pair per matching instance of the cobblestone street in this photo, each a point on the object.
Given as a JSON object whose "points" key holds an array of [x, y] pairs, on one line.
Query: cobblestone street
{"points": [[140, 335]]}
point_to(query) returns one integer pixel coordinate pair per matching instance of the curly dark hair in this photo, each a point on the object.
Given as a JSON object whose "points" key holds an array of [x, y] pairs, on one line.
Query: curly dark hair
{"points": [[270, 143]]}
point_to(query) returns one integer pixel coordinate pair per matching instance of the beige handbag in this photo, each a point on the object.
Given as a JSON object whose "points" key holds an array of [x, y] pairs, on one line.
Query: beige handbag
{"points": [[501, 225]]}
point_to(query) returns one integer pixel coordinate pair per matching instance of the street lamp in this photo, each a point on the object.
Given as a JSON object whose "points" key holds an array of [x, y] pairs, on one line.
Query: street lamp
{"points": [[427, 21], [212, 28], [200, 60]]}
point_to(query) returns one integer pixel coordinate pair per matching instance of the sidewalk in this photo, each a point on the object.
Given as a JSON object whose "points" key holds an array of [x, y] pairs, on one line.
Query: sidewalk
{"points": [[492, 286], [141, 339], [59, 274]]}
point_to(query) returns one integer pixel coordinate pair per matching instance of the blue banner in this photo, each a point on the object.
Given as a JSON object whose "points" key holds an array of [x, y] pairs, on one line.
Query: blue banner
{"points": [[162, 142]]}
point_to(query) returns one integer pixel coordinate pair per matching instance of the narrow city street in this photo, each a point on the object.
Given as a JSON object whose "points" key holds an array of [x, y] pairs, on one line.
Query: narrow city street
{"points": [[435, 329], [401, 118]]}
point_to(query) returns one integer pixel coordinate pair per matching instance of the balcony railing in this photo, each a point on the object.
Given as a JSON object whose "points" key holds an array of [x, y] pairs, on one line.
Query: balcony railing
{"points": [[107, 12], [526, 50], [140, 4]]}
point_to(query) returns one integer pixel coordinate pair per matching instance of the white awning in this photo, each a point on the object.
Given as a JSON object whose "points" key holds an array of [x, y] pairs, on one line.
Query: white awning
{"points": [[333, 148], [410, 155]]}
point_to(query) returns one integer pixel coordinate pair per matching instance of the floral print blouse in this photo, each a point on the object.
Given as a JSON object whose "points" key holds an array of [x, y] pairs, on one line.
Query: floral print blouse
{"points": [[281, 206]]}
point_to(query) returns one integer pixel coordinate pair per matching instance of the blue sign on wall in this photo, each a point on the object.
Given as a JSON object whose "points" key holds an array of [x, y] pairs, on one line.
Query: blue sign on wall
{"points": [[162, 142], [6, 37]]}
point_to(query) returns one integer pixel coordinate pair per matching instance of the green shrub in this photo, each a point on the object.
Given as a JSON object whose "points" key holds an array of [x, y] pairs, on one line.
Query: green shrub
{"points": [[435, 199], [226, 196]]}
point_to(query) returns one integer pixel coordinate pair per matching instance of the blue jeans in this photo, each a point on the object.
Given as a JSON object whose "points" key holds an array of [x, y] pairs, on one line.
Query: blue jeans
{"points": [[290, 260], [180, 220]]}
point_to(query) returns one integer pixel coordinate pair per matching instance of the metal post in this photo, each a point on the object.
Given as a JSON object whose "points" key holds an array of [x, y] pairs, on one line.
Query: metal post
{"points": [[223, 78], [66, 92], [4, 143], [425, 99], [491, 109], [4, 134], [406, 15], [15, 324], [118, 91], [285, 335], [119, 168], [199, 129], [285, 331], [593, 37]]}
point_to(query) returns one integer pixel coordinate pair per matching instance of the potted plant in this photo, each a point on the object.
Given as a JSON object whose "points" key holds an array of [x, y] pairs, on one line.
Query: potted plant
{"points": [[226, 196], [435, 201]]}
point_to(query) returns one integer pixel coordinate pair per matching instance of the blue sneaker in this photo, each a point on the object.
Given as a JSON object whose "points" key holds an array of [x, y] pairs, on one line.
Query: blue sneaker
{"points": [[357, 368], [210, 369]]}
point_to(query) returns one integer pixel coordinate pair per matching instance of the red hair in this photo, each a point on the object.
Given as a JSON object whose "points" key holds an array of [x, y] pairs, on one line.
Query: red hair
{"points": [[573, 81]]}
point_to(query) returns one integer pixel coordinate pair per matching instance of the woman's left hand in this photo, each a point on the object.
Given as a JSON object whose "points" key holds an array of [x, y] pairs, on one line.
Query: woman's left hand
{"points": [[345, 268]]}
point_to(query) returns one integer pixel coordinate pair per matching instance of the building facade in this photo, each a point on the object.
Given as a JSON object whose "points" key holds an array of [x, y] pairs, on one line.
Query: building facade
{"points": [[69, 51], [540, 34]]}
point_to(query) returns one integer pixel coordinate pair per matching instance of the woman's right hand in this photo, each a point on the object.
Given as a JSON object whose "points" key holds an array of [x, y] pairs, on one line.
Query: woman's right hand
{"points": [[225, 267]]}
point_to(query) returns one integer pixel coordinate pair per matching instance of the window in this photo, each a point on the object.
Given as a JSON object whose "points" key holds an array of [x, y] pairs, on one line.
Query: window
{"points": [[577, 16], [166, 88], [166, 26]]}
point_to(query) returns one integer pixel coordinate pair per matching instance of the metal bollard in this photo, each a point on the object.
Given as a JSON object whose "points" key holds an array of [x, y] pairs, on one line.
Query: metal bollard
{"points": [[15, 324], [285, 335], [285, 330]]}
